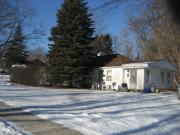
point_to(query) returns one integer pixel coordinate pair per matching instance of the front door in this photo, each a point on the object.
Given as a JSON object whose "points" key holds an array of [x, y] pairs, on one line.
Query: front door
{"points": [[130, 77], [133, 78]]}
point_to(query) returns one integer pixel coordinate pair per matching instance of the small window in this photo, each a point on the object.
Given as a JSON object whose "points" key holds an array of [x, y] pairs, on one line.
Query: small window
{"points": [[147, 79], [109, 75], [162, 77], [168, 78]]}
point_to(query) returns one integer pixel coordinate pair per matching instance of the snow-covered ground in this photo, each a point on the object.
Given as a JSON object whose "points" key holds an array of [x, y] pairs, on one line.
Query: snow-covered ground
{"points": [[5, 80], [100, 113], [7, 128]]}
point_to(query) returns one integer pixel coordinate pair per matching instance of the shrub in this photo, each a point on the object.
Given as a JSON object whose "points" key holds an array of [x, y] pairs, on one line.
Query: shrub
{"points": [[30, 75]]}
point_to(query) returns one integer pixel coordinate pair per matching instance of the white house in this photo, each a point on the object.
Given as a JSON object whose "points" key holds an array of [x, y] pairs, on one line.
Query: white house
{"points": [[137, 75]]}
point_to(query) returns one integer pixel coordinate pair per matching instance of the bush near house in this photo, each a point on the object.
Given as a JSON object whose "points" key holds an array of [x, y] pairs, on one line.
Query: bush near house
{"points": [[32, 74]]}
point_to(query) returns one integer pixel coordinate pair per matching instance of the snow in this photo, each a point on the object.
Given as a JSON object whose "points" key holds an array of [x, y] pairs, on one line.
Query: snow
{"points": [[7, 128], [97, 112], [5, 80]]}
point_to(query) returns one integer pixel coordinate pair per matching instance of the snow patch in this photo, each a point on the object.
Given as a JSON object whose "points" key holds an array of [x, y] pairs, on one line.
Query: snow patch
{"points": [[99, 113], [7, 128]]}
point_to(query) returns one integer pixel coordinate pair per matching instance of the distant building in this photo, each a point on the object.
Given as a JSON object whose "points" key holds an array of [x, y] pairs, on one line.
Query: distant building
{"points": [[32, 73]]}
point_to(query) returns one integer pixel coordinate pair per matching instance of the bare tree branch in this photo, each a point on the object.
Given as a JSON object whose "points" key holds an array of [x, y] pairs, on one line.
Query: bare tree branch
{"points": [[12, 15]]}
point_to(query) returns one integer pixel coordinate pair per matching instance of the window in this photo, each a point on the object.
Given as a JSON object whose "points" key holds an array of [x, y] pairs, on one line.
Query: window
{"points": [[162, 77], [109, 75], [168, 78], [147, 79], [133, 76]]}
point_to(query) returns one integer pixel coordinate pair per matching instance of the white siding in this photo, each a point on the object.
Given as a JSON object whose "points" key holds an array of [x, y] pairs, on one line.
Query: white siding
{"points": [[155, 68], [139, 79], [117, 75]]}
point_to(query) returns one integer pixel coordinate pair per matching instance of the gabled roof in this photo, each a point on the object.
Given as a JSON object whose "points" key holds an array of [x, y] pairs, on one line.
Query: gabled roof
{"points": [[148, 61], [111, 60], [164, 64], [114, 60], [37, 62], [161, 64]]}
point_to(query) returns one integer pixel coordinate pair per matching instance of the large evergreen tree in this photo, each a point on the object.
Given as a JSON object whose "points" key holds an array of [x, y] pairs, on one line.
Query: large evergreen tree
{"points": [[70, 53], [16, 52], [103, 43]]}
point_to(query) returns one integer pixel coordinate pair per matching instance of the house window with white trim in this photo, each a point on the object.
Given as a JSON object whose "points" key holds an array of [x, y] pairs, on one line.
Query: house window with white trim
{"points": [[109, 75]]}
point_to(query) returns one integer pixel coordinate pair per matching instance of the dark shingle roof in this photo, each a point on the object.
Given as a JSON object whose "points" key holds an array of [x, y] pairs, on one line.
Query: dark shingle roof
{"points": [[37, 62], [111, 60]]}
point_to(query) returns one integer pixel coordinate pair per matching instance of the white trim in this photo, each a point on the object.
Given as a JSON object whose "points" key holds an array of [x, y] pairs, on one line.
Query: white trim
{"points": [[155, 64], [111, 67]]}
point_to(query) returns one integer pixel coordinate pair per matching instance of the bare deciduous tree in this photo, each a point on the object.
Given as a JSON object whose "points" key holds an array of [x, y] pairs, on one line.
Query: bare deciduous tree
{"points": [[38, 53], [13, 14], [110, 4], [157, 33], [125, 43]]}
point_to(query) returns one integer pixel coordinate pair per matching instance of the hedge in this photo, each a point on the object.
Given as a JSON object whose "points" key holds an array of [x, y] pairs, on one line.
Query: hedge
{"points": [[30, 75]]}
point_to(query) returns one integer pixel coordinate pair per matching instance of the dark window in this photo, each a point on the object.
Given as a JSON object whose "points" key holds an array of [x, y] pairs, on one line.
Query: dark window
{"points": [[162, 77], [168, 78], [147, 79]]}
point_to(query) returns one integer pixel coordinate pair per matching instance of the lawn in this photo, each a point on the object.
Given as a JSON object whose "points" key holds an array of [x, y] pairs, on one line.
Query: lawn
{"points": [[99, 113]]}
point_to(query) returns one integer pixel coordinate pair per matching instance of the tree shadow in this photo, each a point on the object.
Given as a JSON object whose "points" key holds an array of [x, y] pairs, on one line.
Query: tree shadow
{"points": [[128, 103], [166, 121]]}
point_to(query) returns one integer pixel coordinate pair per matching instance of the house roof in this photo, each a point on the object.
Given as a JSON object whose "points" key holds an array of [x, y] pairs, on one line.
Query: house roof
{"points": [[37, 62], [148, 61], [161, 64], [111, 60], [114, 60]]}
